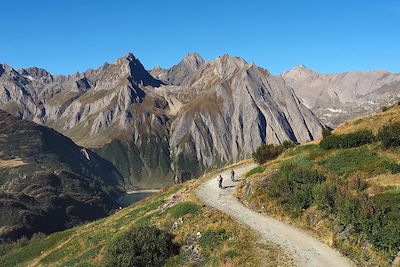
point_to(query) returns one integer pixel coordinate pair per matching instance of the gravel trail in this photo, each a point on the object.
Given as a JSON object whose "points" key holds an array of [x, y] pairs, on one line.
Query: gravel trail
{"points": [[303, 248]]}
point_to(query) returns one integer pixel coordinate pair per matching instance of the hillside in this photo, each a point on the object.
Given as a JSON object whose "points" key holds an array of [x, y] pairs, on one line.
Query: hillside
{"points": [[204, 235], [348, 197], [195, 116], [48, 183]]}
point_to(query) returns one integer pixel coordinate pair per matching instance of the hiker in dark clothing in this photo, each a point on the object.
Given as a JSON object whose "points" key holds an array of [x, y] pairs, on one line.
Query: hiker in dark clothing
{"points": [[232, 175], [220, 179]]}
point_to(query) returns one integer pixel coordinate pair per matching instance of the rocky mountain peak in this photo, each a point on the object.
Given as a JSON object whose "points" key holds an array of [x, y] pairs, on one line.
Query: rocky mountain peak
{"points": [[193, 61], [5, 68], [300, 71], [36, 74], [132, 67], [227, 65]]}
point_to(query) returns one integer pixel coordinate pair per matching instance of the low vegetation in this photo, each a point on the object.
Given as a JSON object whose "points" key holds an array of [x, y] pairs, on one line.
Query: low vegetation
{"points": [[149, 233], [389, 135], [269, 152], [343, 190], [140, 246], [355, 139]]}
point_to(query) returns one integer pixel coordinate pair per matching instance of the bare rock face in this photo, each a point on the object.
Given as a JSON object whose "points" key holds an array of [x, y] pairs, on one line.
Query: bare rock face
{"points": [[184, 120], [180, 72], [336, 98], [232, 108]]}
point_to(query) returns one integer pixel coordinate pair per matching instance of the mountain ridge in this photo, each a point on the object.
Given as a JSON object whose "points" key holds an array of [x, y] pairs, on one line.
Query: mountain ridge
{"points": [[128, 116]]}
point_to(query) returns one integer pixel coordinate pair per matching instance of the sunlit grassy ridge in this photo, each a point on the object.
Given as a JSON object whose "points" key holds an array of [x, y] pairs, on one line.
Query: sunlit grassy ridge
{"points": [[220, 239], [354, 206]]}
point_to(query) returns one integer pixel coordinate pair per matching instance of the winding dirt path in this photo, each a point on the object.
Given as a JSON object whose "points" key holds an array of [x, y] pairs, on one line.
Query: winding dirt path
{"points": [[306, 250]]}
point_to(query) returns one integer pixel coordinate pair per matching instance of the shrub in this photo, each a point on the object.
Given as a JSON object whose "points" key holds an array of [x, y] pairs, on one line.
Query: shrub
{"points": [[394, 168], [293, 186], [141, 246], [389, 135], [354, 139], [326, 132], [385, 108], [183, 208], [349, 211], [356, 182], [267, 152], [382, 225], [325, 195], [288, 144]]}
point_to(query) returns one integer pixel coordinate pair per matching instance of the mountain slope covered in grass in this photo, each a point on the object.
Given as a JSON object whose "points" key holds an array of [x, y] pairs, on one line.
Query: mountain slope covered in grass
{"points": [[344, 189], [204, 236], [48, 183]]}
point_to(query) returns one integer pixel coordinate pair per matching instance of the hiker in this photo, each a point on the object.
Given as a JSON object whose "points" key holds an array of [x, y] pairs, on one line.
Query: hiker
{"points": [[232, 175], [220, 179]]}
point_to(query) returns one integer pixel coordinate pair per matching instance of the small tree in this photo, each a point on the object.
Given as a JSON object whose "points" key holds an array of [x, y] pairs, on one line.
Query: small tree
{"points": [[140, 246], [267, 152]]}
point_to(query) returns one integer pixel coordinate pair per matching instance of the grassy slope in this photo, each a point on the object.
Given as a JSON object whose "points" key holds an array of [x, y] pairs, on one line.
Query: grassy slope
{"points": [[85, 245], [371, 162]]}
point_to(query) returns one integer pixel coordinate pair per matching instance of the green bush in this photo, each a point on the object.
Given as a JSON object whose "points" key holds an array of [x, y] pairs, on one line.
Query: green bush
{"points": [[269, 152], [394, 168], [183, 208], [389, 135], [382, 224], [141, 246], [326, 132], [293, 185], [350, 140], [325, 195], [288, 144]]}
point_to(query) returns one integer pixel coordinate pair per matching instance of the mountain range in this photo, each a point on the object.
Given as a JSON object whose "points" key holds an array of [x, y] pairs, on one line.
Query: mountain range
{"points": [[338, 97], [151, 125]]}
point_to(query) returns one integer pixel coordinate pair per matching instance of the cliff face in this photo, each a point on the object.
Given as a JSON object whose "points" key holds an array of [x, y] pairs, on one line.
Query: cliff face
{"points": [[194, 116], [337, 97]]}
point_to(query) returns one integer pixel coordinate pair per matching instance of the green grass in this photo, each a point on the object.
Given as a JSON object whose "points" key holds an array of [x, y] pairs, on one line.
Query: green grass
{"points": [[258, 169], [183, 208], [213, 238], [358, 121], [348, 161], [33, 250]]}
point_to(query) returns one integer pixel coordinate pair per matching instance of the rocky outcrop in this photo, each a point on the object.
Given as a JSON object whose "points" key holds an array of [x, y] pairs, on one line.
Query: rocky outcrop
{"points": [[180, 72], [191, 117], [336, 98]]}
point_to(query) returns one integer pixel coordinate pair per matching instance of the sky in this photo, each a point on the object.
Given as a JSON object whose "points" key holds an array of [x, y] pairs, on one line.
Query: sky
{"points": [[64, 37]]}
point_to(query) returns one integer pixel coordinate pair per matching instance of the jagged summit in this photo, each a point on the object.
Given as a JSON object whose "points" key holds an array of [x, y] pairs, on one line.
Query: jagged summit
{"points": [[132, 67], [193, 60]]}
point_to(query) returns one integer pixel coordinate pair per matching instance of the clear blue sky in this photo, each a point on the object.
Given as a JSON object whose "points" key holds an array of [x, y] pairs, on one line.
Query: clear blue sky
{"points": [[328, 36]]}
